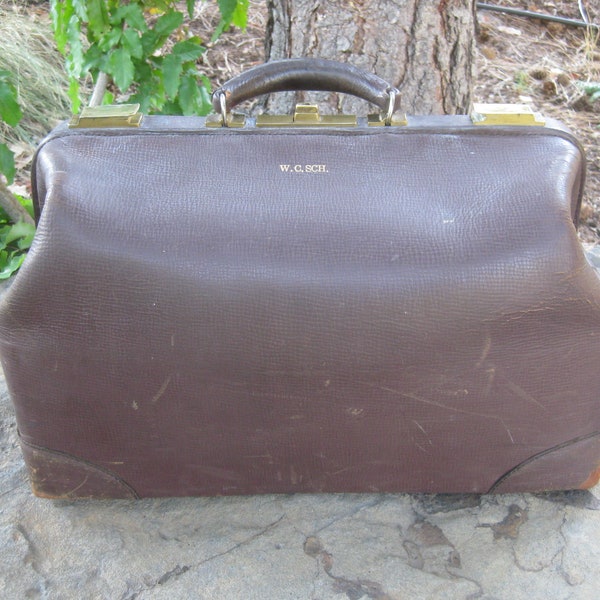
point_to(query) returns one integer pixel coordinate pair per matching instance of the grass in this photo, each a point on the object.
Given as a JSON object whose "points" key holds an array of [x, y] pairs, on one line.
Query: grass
{"points": [[28, 51]]}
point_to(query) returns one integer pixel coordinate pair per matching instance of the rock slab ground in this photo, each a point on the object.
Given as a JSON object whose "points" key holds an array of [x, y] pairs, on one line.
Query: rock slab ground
{"points": [[308, 547]]}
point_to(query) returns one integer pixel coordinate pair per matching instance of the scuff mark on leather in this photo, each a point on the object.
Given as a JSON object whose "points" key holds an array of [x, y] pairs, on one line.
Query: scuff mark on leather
{"points": [[162, 389]]}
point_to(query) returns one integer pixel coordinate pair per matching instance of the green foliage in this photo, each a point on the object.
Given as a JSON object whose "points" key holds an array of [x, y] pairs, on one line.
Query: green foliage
{"points": [[591, 89], [522, 81], [15, 240], [233, 12], [7, 163], [10, 113], [129, 42]]}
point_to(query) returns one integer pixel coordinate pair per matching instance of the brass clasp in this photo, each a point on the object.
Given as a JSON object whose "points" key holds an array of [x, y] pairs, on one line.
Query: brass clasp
{"points": [[378, 120], [110, 115], [234, 120], [505, 114]]}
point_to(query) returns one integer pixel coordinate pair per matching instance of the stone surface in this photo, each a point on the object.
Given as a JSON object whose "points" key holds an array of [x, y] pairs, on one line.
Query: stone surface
{"points": [[308, 547]]}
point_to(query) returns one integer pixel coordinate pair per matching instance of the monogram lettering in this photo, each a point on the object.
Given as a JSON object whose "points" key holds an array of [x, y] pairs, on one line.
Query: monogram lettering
{"points": [[303, 169]]}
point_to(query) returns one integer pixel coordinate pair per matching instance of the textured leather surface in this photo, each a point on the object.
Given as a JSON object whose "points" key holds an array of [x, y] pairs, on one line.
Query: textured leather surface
{"points": [[414, 313], [315, 74]]}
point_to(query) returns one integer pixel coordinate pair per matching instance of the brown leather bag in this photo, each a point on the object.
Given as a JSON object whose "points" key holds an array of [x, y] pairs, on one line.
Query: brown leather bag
{"points": [[325, 306]]}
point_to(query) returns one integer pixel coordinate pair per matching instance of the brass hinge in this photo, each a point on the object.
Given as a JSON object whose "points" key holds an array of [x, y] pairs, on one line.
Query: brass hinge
{"points": [[110, 115], [505, 114], [234, 120], [378, 120], [306, 115]]}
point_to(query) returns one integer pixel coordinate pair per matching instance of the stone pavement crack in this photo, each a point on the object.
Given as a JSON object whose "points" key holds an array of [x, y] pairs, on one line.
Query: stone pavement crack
{"points": [[509, 526], [12, 489], [33, 555], [429, 550], [561, 566], [313, 591], [351, 513], [243, 542], [178, 571], [431, 504], [539, 569], [173, 573], [576, 498], [570, 578], [353, 588], [478, 594]]}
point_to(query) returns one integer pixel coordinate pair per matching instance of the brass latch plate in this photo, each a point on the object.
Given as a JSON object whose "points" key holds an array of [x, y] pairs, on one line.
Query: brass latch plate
{"points": [[233, 120], [377, 120], [505, 114], [110, 115], [306, 115]]}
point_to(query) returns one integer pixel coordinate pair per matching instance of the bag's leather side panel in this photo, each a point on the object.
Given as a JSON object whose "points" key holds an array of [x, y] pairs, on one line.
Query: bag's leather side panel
{"points": [[58, 476], [418, 315], [566, 466]]}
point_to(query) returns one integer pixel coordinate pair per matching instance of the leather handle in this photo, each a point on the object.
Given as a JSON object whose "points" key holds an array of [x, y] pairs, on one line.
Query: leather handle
{"points": [[315, 74]]}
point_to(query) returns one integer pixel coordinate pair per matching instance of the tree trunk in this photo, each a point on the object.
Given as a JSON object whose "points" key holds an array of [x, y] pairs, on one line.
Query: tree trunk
{"points": [[423, 47]]}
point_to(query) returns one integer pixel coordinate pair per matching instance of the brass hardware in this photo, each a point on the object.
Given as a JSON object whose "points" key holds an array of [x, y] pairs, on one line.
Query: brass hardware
{"points": [[505, 114], [306, 115], [378, 120], [233, 120], [110, 115]]}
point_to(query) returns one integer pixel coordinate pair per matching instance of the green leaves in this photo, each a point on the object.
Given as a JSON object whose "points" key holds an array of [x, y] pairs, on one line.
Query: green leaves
{"points": [[131, 14], [15, 240], [168, 23], [7, 163], [60, 13], [98, 15], [120, 67], [233, 12], [10, 113], [21, 234], [240, 14], [190, 7], [227, 8], [172, 69], [9, 263], [133, 43], [190, 49], [126, 41], [194, 95], [591, 89], [189, 95], [66, 22]]}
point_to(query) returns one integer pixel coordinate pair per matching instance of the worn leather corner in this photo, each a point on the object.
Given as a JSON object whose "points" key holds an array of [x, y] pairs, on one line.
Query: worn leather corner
{"points": [[571, 465], [59, 476], [592, 480]]}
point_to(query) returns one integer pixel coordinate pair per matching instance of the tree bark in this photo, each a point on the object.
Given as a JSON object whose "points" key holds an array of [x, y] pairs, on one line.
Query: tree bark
{"points": [[423, 47]]}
